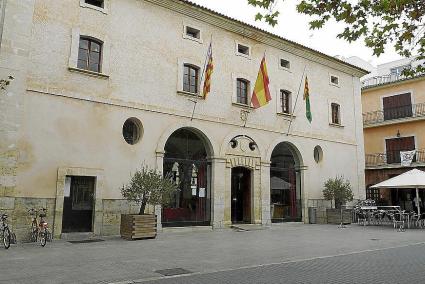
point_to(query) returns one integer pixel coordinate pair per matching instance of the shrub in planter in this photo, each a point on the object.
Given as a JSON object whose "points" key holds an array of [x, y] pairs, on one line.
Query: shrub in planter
{"points": [[146, 186], [338, 190]]}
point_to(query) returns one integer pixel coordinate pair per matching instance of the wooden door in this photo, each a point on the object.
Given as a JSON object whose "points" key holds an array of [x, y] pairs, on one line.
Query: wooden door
{"points": [[398, 106]]}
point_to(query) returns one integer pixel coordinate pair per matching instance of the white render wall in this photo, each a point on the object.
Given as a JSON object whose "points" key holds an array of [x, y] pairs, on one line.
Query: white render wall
{"points": [[71, 119]]}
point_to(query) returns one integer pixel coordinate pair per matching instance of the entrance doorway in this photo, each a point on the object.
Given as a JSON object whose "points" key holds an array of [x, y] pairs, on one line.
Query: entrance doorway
{"points": [[241, 195], [78, 204]]}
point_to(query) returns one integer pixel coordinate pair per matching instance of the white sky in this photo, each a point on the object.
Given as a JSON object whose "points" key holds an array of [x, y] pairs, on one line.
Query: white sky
{"points": [[294, 26]]}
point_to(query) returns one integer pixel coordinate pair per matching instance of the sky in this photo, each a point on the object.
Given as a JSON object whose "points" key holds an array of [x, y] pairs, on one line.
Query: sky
{"points": [[294, 26]]}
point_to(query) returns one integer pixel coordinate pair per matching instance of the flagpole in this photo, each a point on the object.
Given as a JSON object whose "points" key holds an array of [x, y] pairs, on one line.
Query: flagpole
{"points": [[195, 101], [296, 101]]}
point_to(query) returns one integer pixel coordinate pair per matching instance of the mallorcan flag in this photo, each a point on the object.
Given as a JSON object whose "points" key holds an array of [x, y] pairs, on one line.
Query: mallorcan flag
{"points": [[261, 95], [307, 101], [208, 72]]}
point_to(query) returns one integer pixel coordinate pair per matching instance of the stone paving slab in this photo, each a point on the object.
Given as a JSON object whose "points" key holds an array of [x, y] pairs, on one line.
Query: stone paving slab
{"points": [[117, 260]]}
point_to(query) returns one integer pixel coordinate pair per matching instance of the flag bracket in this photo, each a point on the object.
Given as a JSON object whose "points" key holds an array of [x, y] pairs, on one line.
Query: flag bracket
{"points": [[194, 107], [244, 116]]}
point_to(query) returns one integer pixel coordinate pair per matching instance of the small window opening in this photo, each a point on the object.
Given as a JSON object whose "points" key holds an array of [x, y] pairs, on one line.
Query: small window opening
{"points": [[318, 154], [131, 131], [285, 64], [192, 32], [285, 101], [97, 3], [242, 49], [336, 116], [242, 87], [334, 80]]}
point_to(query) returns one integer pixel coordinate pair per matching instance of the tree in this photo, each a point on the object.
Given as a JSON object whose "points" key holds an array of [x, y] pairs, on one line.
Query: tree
{"points": [[378, 22], [339, 190], [149, 186]]}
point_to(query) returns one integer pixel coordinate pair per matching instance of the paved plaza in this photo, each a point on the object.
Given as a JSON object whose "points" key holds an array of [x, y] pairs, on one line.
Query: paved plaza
{"points": [[287, 253]]}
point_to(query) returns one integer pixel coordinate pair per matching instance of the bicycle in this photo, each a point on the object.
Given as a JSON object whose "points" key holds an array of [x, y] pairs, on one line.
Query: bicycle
{"points": [[39, 230], [5, 231]]}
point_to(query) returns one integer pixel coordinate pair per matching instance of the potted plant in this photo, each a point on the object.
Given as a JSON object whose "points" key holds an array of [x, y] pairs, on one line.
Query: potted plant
{"points": [[146, 186], [339, 191]]}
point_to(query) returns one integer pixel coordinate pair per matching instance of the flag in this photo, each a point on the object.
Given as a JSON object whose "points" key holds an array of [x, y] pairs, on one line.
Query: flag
{"points": [[261, 95], [307, 101], [208, 72], [406, 157]]}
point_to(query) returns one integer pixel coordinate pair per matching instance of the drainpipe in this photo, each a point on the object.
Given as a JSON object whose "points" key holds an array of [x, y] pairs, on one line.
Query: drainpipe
{"points": [[2, 16]]}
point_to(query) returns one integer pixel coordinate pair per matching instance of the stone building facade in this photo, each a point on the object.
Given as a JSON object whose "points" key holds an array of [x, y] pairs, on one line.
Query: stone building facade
{"points": [[101, 87]]}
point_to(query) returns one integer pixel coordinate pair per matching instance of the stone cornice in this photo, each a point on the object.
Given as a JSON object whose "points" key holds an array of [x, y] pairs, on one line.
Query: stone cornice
{"points": [[224, 22]]}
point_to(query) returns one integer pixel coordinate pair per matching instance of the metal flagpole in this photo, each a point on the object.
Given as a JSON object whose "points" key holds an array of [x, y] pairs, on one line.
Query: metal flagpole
{"points": [[195, 101], [296, 101]]}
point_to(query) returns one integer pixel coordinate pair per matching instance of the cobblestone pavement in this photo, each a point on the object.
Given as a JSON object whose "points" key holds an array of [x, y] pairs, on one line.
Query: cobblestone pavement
{"points": [[394, 265], [272, 255]]}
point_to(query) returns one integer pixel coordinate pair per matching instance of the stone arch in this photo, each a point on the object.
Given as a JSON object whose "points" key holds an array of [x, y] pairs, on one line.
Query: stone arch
{"points": [[293, 147], [209, 143]]}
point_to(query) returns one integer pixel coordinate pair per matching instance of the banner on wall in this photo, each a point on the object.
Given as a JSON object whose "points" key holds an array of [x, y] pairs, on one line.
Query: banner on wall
{"points": [[406, 157]]}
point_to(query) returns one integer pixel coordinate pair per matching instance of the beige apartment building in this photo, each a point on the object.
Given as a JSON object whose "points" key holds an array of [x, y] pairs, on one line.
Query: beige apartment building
{"points": [[103, 86], [393, 117]]}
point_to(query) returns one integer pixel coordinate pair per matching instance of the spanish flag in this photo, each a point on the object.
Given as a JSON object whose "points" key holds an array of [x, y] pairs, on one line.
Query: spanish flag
{"points": [[261, 95], [307, 101], [208, 72]]}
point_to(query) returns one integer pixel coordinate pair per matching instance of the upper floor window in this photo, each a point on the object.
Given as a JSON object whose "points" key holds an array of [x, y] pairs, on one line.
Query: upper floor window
{"points": [[334, 80], [242, 87], [97, 3], [398, 106], [192, 32], [285, 101], [243, 50], [190, 78], [285, 63], [90, 54], [336, 113], [399, 69]]}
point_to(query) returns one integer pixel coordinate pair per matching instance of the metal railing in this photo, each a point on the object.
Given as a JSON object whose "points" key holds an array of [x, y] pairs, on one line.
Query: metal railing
{"points": [[407, 111], [384, 79], [391, 158]]}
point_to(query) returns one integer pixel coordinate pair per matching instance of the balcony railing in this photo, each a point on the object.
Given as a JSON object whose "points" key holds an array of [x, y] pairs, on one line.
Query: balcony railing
{"points": [[392, 158], [380, 116], [384, 79]]}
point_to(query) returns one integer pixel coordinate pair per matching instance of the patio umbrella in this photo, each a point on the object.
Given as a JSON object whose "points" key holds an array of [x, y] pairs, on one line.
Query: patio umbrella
{"points": [[411, 179]]}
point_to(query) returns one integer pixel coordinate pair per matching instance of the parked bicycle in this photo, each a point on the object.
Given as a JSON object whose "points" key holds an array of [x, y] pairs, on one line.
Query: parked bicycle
{"points": [[5, 231], [39, 230]]}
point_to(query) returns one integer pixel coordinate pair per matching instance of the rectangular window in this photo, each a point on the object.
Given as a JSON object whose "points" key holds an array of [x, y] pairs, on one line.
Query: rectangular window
{"points": [[89, 54], [242, 91], [285, 64], [334, 80], [193, 33], [97, 3], [399, 69], [190, 79], [285, 101], [243, 49], [372, 193], [394, 146], [336, 116], [398, 106]]}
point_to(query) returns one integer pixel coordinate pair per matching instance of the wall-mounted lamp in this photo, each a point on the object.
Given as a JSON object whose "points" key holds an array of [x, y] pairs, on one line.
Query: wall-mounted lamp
{"points": [[398, 133], [233, 143]]}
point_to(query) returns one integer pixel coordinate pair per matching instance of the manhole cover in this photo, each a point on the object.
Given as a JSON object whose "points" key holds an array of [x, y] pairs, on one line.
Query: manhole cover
{"points": [[173, 271], [86, 241]]}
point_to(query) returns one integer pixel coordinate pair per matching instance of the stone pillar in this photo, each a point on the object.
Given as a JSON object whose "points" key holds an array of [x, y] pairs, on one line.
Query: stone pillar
{"points": [[218, 192], [265, 194], [257, 194], [158, 209]]}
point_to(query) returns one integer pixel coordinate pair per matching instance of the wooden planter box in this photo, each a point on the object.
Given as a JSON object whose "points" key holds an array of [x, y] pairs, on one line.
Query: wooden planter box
{"points": [[138, 226], [334, 216]]}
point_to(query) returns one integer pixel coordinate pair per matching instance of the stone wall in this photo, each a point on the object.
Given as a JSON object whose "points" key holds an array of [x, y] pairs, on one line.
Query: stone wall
{"points": [[20, 220]]}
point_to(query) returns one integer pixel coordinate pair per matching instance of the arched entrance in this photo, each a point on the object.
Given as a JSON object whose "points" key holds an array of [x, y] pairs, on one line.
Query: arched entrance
{"points": [[285, 184], [186, 159], [241, 195]]}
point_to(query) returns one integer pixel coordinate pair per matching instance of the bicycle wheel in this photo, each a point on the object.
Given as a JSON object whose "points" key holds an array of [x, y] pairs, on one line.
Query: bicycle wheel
{"points": [[6, 238], [34, 232], [43, 238]]}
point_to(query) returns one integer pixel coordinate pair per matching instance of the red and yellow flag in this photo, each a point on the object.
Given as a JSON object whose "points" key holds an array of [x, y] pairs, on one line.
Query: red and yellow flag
{"points": [[208, 72], [261, 95]]}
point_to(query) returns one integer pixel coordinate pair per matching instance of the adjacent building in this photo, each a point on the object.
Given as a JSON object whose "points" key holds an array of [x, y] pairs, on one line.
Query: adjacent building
{"points": [[393, 118], [103, 86]]}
